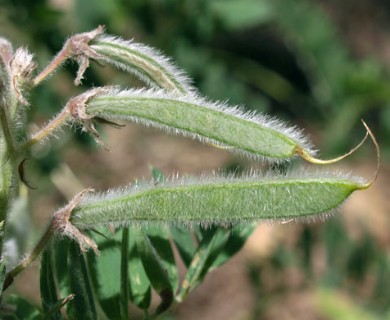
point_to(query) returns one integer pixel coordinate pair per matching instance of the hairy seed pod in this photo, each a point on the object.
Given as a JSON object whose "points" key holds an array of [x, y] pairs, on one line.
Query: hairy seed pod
{"points": [[219, 200], [143, 61]]}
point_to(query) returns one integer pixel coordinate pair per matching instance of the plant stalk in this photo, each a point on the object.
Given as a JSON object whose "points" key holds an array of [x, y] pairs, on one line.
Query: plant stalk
{"points": [[30, 258], [54, 124], [54, 64], [10, 150]]}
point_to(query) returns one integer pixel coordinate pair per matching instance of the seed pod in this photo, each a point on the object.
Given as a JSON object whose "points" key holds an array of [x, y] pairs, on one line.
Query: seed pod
{"points": [[145, 62], [215, 123], [219, 200]]}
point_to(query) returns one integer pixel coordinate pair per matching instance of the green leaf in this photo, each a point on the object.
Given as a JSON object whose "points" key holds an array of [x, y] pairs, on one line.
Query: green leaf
{"points": [[240, 14], [83, 302], [105, 271], [160, 239], [57, 307], [184, 241], [22, 309], [140, 290], [219, 200], [60, 255], [124, 296], [211, 245], [47, 283], [155, 270], [238, 236], [157, 175]]}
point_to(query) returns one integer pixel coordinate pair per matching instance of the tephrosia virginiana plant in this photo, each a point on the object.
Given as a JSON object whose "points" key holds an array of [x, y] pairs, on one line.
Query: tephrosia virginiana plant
{"points": [[138, 256]]}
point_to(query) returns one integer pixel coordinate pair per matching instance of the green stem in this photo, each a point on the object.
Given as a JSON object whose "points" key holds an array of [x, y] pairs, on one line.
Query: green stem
{"points": [[5, 188], [6, 177], [7, 152], [54, 124], [10, 150], [30, 258]]}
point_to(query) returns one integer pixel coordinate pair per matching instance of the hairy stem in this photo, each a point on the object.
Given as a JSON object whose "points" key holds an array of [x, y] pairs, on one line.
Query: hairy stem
{"points": [[8, 134], [48, 129], [59, 224], [76, 47], [5, 189], [54, 64], [33, 254]]}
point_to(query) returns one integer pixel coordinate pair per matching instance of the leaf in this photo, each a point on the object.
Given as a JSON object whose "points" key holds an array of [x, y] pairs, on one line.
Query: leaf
{"points": [[124, 296], [220, 200], [238, 236], [105, 271], [241, 14], [157, 175], [22, 309], [208, 249], [47, 283], [183, 239], [140, 290], [83, 302], [160, 239], [57, 307], [60, 255], [155, 270]]}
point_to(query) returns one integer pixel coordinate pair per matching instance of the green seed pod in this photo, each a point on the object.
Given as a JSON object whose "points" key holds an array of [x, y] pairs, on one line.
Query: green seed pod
{"points": [[216, 123], [219, 200], [145, 62]]}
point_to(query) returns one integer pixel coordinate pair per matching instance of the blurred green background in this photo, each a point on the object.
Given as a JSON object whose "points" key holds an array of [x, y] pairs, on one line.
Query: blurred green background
{"points": [[322, 65]]}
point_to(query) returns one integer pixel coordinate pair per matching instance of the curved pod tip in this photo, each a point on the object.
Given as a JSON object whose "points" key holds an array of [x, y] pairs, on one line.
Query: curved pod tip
{"points": [[302, 153], [305, 155], [378, 157]]}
